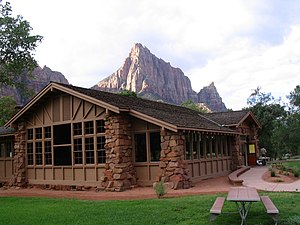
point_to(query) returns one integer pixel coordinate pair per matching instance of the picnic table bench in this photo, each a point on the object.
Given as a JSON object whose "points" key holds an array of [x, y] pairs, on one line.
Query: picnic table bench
{"points": [[216, 209], [270, 207], [234, 176]]}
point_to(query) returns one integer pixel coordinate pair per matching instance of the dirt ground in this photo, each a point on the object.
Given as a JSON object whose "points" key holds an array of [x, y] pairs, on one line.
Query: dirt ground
{"points": [[279, 178], [209, 186]]}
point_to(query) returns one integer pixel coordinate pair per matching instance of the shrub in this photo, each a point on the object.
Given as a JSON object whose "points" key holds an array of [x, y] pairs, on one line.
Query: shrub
{"points": [[160, 189], [296, 172], [273, 174]]}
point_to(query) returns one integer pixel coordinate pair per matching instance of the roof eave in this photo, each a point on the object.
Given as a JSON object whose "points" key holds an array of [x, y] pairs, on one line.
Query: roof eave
{"points": [[155, 121], [52, 86]]}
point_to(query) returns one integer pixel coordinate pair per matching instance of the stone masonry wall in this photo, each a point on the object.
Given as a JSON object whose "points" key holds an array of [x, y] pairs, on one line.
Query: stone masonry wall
{"points": [[19, 175], [237, 160], [172, 165], [119, 173]]}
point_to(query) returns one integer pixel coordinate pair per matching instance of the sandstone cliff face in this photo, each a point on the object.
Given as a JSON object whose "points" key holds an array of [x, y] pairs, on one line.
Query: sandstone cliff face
{"points": [[210, 96], [153, 78], [42, 76], [149, 76]]}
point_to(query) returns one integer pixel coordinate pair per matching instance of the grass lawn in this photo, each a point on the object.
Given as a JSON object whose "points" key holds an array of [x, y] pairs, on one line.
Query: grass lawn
{"points": [[292, 164], [183, 210]]}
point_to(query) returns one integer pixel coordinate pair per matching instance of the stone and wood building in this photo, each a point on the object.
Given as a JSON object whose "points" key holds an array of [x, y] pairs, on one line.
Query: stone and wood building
{"points": [[68, 137]]}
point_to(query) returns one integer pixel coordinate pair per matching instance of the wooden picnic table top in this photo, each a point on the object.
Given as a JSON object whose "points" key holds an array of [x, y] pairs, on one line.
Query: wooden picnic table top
{"points": [[243, 194]]}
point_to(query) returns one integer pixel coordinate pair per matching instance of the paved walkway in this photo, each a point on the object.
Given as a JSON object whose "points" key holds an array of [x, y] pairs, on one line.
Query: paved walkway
{"points": [[253, 178]]}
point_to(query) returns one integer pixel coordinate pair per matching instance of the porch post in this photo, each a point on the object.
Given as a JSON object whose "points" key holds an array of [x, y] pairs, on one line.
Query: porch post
{"points": [[19, 173], [119, 173], [173, 169]]}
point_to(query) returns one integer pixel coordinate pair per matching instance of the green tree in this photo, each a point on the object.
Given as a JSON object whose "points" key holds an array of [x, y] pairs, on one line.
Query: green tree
{"points": [[16, 49], [292, 125], [128, 93], [7, 109], [191, 105], [271, 115]]}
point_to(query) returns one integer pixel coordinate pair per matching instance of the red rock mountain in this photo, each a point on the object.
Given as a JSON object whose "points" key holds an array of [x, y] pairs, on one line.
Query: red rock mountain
{"points": [[42, 76], [153, 78]]}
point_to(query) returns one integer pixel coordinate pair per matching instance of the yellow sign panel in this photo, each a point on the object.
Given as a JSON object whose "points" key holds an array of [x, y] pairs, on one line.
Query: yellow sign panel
{"points": [[251, 148]]}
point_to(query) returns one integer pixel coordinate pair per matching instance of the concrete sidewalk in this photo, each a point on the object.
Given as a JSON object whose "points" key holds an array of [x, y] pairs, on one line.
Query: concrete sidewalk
{"points": [[253, 178]]}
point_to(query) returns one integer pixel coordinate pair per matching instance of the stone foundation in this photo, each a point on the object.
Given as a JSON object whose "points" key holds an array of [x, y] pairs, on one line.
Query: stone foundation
{"points": [[119, 173], [173, 168]]}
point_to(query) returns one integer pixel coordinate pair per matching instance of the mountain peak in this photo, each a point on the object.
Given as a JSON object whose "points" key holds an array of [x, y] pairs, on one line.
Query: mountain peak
{"points": [[138, 50], [151, 77]]}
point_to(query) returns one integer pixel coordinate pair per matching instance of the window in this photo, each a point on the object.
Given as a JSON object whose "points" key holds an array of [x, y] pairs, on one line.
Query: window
{"points": [[47, 131], [100, 126], [30, 134], [77, 129], [155, 146], [78, 151], [213, 146], [208, 145], [89, 150], [220, 146], [38, 133], [188, 147], [89, 127], [101, 155], [2, 152], [38, 153], [48, 153], [140, 147], [30, 153], [196, 145], [62, 156], [62, 134], [202, 148], [6, 147]]}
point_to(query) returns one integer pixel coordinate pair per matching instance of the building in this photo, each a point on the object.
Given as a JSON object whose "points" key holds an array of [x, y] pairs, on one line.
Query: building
{"points": [[68, 137]]}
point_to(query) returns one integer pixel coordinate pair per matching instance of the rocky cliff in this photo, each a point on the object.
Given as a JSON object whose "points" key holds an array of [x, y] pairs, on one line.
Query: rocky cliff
{"points": [[149, 76], [153, 78], [42, 76], [210, 97]]}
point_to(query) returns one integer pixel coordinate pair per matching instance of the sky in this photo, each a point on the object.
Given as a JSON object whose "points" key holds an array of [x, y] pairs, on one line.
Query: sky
{"points": [[237, 44]]}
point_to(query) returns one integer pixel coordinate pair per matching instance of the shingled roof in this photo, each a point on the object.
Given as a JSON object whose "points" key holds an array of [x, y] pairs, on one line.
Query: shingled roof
{"points": [[6, 130], [231, 118], [176, 116]]}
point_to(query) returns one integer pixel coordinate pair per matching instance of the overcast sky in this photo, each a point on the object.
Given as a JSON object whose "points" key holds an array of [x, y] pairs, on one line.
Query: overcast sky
{"points": [[238, 44]]}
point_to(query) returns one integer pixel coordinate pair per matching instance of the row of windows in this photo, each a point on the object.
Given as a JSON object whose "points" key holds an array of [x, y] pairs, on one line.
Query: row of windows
{"points": [[88, 144], [82, 154], [200, 147], [78, 129]]}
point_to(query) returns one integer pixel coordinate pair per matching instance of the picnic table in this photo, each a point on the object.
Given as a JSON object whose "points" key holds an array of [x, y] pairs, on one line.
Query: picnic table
{"points": [[243, 198]]}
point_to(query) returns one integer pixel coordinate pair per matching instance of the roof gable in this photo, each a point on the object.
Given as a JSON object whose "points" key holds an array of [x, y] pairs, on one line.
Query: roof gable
{"points": [[233, 118], [166, 115]]}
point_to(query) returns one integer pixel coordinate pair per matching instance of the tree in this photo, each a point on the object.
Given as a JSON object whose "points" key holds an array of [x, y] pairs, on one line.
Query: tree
{"points": [[16, 49], [7, 108], [191, 105], [271, 115], [128, 93]]}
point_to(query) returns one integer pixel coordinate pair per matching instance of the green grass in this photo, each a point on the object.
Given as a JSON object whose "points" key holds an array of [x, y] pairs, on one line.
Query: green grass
{"points": [[183, 210], [292, 164]]}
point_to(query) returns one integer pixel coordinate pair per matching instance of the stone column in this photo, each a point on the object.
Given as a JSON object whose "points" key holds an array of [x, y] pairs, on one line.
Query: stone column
{"points": [[172, 165], [119, 173], [237, 160], [19, 174]]}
